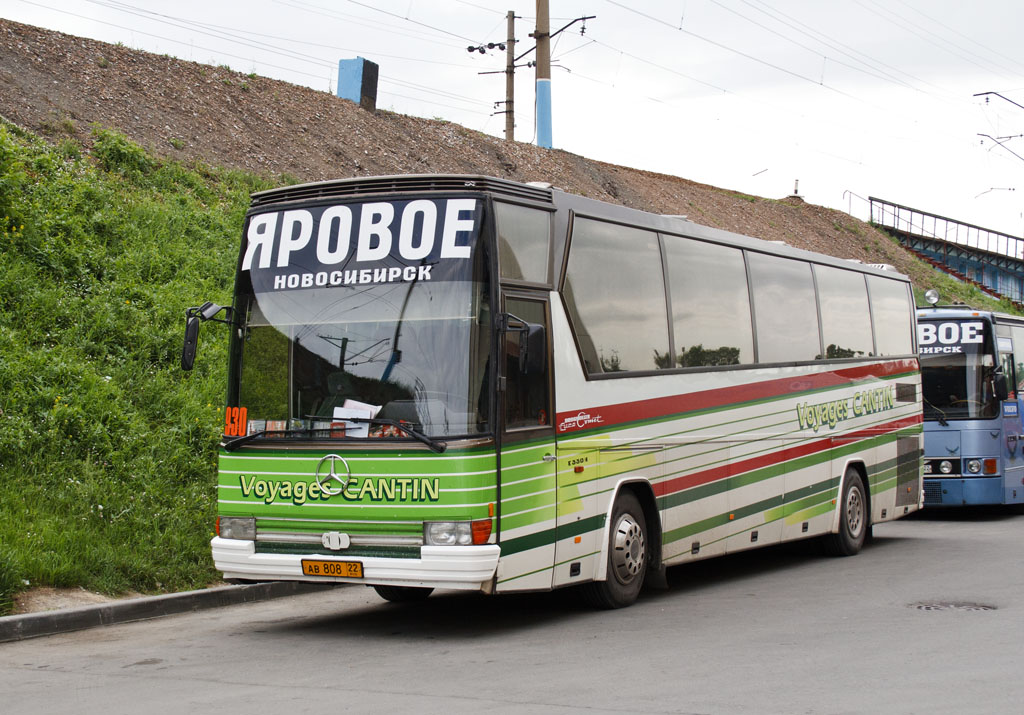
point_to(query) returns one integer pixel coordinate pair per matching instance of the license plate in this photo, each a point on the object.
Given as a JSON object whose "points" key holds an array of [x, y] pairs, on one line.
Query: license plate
{"points": [[338, 569]]}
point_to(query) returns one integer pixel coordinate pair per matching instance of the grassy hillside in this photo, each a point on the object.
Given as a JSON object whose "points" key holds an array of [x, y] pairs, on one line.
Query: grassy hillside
{"points": [[107, 449]]}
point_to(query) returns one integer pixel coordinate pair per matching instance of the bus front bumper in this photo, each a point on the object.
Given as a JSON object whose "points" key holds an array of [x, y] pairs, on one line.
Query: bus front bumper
{"points": [[455, 567], [959, 491]]}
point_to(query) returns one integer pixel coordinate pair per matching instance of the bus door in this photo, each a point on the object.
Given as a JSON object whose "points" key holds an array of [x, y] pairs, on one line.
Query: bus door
{"points": [[1010, 414], [527, 477]]}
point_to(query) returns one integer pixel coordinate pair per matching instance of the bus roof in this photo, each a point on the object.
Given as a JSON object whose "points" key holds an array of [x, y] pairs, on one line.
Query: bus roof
{"points": [[958, 312], [542, 193]]}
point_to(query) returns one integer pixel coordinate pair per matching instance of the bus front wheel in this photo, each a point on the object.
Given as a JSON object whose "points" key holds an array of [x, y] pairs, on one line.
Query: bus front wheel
{"points": [[627, 557], [854, 518], [402, 594]]}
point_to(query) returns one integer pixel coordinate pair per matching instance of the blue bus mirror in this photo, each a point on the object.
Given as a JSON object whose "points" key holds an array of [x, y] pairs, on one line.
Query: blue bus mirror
{"points": [[999, 385]]}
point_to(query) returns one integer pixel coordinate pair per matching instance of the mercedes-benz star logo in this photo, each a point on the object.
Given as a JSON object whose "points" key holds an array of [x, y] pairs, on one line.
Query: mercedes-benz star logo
{"points": [[331, 475]]}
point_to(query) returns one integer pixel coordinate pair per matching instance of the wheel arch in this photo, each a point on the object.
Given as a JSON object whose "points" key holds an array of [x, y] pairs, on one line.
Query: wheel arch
{"points": [[644, 493]]}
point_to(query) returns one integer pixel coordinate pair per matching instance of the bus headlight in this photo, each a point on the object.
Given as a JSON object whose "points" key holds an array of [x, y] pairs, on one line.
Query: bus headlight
{"points": [[447, 533], [456, 533], [945, 466], [973, 466], [235, 527]]}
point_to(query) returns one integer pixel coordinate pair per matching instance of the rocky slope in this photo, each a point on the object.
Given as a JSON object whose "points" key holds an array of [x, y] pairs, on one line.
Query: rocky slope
{"points": [[59, 85]]}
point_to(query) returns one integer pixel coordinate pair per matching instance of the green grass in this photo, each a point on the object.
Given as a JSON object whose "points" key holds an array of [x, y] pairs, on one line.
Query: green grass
{"points": [[954, 292], [107, 448]]}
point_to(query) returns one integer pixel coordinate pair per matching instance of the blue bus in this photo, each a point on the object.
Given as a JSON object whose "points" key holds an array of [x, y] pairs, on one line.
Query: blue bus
{"points": [[972, 405]]}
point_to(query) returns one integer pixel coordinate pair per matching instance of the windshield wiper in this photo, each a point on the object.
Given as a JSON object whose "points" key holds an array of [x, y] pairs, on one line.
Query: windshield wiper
{"points": [[234, 444], [433, 445], [940, 416]]}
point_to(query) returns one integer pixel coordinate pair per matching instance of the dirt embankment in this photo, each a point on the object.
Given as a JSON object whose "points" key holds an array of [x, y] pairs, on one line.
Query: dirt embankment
{"points": [[59, 85]]}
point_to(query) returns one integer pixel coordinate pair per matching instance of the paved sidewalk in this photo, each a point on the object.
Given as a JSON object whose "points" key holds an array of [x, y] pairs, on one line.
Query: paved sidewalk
{"points": [[32, 625]]}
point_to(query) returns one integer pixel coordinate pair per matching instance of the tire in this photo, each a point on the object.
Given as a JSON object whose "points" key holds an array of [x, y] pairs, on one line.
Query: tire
{"points": [[628, 557], [402, 594], [854, 518]]}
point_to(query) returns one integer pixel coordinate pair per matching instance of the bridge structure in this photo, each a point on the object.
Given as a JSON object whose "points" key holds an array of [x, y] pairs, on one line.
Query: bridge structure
{"points": [[991, 260]]}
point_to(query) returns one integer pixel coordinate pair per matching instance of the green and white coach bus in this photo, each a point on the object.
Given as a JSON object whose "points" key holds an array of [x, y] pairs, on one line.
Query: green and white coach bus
{"points": [[464, 382]]}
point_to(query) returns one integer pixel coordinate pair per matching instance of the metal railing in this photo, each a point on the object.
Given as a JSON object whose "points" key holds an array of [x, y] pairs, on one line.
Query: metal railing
{"points": [[921, 223]]}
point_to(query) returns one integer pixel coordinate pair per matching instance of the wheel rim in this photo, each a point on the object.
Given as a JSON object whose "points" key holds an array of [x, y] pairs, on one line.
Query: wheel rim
{"points": [[854, 511], [628, 549]]}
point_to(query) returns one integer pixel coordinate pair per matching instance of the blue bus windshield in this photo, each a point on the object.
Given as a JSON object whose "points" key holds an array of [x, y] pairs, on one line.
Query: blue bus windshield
{"points": [[957, 369]]}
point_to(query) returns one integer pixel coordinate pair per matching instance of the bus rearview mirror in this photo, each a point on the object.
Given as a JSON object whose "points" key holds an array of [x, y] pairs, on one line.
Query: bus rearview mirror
{"points": [[532, 349], [188, 351], [999, 384]]}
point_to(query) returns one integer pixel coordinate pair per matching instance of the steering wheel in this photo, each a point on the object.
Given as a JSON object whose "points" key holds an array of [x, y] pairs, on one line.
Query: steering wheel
{"points": [[975, 403]]}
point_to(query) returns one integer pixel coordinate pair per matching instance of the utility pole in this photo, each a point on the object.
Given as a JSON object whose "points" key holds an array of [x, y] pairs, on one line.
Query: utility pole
{"points": [[510, 80], [543, 37]]}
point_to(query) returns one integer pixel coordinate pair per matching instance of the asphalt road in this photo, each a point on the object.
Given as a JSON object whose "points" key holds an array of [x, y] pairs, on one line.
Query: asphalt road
{"points": [[929, 618]]}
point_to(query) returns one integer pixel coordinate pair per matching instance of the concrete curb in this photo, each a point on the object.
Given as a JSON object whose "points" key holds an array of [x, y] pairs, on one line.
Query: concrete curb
{"points": [[33, 625]]}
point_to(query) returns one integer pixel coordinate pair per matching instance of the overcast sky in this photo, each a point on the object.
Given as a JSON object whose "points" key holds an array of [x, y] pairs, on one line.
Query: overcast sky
{"points": [[852, 98]]}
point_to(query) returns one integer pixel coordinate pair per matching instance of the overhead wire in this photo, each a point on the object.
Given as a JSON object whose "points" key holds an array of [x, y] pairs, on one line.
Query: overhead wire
{"points": [[803, 46], [164, 38], [659, 66], [960, 34], [415, 22], [733, 50], [233, 37], [870, 103], [888, 15], [834, 44], [391, 28], [831, 119]]}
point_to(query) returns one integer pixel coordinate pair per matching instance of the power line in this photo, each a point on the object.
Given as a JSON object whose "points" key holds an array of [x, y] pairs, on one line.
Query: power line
{"points": [[192, 27], [390, 28], [944, 41], [229, 33], [659, 66], [166, 39], [960, 34], [837, 45], [261, 46], [407, 19], [805, 47], [915, 30], [125, 7], [733, 50], [949, 97]]}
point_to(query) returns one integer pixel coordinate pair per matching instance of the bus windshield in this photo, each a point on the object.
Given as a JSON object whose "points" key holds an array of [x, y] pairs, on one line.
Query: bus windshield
{"points": [[370, 314], [958, 369]]}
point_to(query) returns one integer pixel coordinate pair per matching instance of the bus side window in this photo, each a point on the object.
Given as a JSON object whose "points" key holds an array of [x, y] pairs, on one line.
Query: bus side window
{"points": [[1015, 378], [1006, 367], [526, 395]]}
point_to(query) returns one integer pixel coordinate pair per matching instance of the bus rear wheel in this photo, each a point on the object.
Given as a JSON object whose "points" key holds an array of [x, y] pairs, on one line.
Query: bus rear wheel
{"points": [[854, 518], [627, 557], [402, 594]]}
